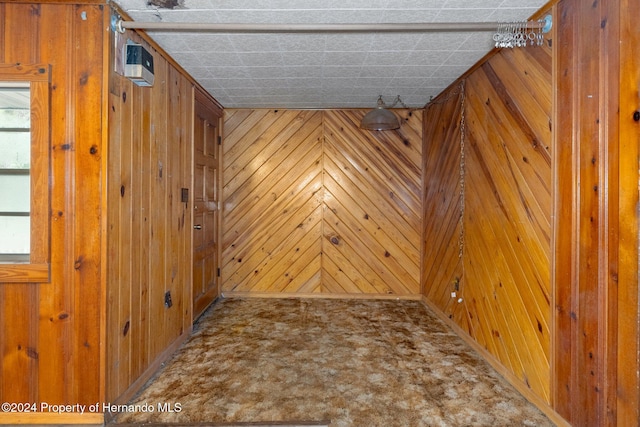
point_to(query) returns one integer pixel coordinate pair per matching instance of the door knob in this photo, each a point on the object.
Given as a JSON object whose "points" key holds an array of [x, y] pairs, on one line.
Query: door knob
{"points": [[197, 227]]}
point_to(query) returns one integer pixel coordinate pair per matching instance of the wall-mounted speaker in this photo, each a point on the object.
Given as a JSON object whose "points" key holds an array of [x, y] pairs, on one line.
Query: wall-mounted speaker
{"points": [[138, 64]]}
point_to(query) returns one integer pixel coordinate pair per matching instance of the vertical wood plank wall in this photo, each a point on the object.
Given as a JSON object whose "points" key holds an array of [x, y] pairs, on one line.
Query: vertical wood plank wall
{"points": [[596, 350], [502, 255], [51, 333], [627, 382], [313, 204], [149, 227]]}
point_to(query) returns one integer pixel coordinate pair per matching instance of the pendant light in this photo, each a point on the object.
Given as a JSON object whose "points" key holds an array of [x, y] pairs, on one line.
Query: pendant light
{"points": [[381, 118]]}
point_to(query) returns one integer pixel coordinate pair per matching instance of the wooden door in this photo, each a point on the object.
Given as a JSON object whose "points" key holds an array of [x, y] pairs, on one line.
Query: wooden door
{"points": [[205, 204]]}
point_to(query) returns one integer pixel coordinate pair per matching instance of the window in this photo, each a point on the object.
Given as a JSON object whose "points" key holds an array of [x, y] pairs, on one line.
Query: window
{"points": [[15, 162], [24, 173]]}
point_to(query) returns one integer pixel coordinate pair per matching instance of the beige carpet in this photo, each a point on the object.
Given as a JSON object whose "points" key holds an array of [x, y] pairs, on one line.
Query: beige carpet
{"points": [[345, 362]]}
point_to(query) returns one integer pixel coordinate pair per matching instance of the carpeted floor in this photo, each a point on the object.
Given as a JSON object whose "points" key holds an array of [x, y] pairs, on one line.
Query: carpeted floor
{"points": [[342, 362]]}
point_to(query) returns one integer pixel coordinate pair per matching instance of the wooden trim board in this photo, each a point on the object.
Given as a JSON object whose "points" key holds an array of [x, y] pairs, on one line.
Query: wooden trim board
{"points": [[318, 296]]}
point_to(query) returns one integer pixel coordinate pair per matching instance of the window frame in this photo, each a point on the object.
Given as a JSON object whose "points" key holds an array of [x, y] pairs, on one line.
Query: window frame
{"points": [[38, 268]]}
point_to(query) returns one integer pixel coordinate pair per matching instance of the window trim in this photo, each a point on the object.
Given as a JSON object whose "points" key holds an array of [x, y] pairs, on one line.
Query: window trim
{"points": [[38, 268]]}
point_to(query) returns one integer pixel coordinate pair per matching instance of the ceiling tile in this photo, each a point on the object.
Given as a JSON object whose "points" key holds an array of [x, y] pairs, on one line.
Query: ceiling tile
{"points": [[326, 70]]}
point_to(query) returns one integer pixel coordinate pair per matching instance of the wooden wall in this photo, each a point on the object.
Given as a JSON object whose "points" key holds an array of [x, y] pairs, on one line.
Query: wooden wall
{"points": [[500, 252], [627, 359], [443, 240], [596, 293], [100, 327], [313, 204], [51, 334], [550, 221], [149, 227]]}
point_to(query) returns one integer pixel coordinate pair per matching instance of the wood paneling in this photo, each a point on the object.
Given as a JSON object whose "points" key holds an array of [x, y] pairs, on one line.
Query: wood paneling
{"points": [[51, 334], [313, 204], [442, 247], [628, 315], [507, 212], [504, 296], [372, 220], [150, 227], [550, 212], [272, 192], [596, 373]]}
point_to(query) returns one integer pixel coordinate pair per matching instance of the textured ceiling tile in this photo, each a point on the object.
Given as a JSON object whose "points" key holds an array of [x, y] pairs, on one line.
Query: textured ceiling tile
{"points": [[345, 58], [416, 70], [302, 42], [271, 83], [464, 57], [472, 4], [238, 72], [427, 57], [302, 72], [520, 3], [255, 43], [325, 70], [243, 91], [444, 71], [367, 82], [389, 58], [390, 41], [341, 71], [261, 59], [410, 16], [203, 42], [340, 83], [507, 14], [215, 59], [231, 83], [302, 58], [464, 15], [172, 43]]}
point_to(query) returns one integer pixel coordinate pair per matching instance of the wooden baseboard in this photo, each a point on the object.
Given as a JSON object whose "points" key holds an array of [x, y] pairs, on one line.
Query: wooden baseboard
{"points": [[48, 418], [148, 373], [509, 376], [319, 296]]}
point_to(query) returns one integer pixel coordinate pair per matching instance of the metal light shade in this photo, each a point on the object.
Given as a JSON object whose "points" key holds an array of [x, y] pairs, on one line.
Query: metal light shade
{"points": [[380, 119]]}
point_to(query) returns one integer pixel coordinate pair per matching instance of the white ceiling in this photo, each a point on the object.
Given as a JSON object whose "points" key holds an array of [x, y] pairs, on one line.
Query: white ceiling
{"points": [[325, 70]]}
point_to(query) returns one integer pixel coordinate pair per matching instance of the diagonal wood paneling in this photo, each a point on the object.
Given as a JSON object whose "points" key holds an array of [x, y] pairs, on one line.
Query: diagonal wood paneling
{"points": [[372, 205], [506, 211], [507, 230], [272, 182], [314, 204], [442, 207]]}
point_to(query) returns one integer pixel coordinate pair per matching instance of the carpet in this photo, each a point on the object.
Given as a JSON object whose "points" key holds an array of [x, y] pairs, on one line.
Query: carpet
{"points": [[350, 362], [209, 424]]}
